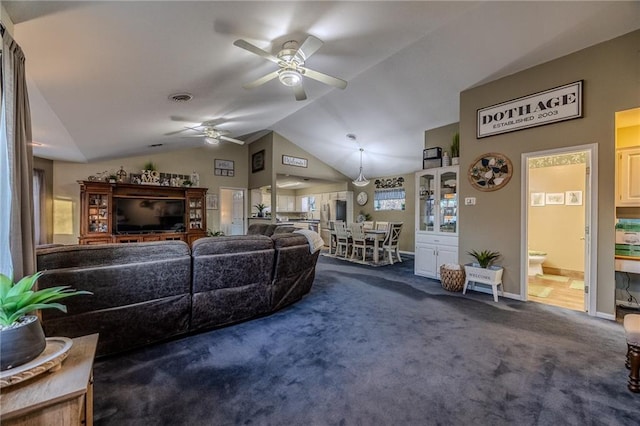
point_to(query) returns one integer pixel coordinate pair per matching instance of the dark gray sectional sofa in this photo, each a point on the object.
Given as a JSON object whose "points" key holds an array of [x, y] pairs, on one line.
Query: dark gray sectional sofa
{"points": [[148, 292]]}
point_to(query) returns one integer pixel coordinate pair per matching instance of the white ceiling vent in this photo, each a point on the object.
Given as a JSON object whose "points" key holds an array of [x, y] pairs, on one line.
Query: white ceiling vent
{"points": [[181, 97]]}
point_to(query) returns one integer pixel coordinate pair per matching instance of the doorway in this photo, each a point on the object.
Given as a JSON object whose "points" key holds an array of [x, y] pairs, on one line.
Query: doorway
{"points": [[232, 208], [558, 211]]}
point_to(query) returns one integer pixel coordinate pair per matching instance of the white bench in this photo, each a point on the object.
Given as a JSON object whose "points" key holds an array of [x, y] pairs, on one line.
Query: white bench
{"points": [[632, 331]]}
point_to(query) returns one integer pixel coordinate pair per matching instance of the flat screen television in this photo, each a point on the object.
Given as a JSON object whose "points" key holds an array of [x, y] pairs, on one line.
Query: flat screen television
{"points": [[145, 215]]}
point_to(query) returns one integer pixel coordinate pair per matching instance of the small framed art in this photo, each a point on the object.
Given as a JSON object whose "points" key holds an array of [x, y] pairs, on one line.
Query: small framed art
{"points": [[554, 198], [257, 161], [573, 198]]}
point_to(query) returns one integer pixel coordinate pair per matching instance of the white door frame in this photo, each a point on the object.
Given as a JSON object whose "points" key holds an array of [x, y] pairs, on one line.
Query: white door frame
{"points": [[591, 221]]}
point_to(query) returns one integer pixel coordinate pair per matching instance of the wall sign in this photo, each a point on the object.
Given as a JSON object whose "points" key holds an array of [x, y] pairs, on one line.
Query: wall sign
{"points": [[551, 106], [294, 161]]}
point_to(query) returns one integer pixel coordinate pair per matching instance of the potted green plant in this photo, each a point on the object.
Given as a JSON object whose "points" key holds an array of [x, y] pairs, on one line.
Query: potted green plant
{"points": [[149, 165], [260, 207], [455, 148], [485, 258], [113, 178], [20, 330], [211, 233]]}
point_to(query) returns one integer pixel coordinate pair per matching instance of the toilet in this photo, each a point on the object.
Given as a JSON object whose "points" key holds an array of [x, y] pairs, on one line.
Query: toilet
{"points": [[536, 259]]}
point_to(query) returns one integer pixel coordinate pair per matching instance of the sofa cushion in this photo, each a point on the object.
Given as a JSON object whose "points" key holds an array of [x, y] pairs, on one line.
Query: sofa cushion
{"points": [[141, 292], [116, 274], [294, 269], [231, 279]]}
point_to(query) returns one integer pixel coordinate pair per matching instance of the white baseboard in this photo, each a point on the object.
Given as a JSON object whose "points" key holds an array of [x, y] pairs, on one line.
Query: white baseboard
{"points": [[603, 315]]}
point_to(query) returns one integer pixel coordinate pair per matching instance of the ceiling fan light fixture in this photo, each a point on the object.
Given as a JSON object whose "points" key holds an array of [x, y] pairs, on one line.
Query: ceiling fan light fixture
{"points": [[290, 77], [361, 180], [211, 141]]}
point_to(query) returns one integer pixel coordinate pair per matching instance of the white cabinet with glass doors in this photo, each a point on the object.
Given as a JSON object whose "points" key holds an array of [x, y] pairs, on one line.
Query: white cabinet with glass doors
{"points": [[436, 233]]}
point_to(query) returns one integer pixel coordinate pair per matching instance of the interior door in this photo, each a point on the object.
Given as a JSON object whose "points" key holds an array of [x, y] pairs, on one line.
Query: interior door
{"points": [[232, 216], [237, 213]]}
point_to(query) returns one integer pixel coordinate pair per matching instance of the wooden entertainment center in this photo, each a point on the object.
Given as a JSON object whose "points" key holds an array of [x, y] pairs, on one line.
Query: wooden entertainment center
{"points": [[103, 221]]}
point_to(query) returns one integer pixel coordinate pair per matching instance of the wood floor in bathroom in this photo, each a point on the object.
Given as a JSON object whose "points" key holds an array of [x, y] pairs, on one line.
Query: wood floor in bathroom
{"points": [[561, 293]]}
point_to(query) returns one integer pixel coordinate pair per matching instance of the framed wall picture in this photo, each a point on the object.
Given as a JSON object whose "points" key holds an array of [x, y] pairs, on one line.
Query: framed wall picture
{"points": [[573, 198], [257, 161], [554, 198], [537, 199], [212, 201], [223, 167]]}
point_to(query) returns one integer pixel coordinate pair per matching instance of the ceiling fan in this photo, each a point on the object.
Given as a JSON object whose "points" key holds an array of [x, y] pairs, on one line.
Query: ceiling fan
{"points": [[290, 61], [213, 136]]}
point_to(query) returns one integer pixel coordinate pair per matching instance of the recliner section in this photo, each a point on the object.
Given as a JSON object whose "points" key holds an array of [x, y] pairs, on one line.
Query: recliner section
{"points": [[148, 292]]}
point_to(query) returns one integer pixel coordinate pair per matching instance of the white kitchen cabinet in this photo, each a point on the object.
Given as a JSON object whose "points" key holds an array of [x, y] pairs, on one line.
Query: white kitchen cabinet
{"points": [[628, 170], [436, 220], [286, 203]]}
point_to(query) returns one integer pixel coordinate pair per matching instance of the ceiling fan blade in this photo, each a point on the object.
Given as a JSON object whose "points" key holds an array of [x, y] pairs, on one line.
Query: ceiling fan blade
{"points": [[261, 80], [194, 136], [309, 47], [298, 91], [256, 50], [324, 78], [182, 130], [228, 139], [212, 123]]}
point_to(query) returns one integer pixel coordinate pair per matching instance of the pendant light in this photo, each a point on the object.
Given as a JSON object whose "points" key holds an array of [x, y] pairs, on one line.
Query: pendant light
{"points": [[361, 180]]}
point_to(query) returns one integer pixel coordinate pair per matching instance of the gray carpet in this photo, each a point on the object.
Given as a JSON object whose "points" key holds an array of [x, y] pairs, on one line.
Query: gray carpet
{"points": [[379, 346]]}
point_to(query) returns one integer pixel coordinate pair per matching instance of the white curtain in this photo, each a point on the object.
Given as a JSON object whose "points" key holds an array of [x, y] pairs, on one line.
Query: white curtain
{"points": [[16, 190]]}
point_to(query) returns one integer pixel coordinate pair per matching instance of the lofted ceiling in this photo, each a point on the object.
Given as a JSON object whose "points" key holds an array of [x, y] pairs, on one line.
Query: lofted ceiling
{"points": [[100, 73]]}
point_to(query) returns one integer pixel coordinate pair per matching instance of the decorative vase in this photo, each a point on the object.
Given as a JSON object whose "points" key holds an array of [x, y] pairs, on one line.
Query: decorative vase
{"points": [[21, 343], [455, 161], [446, 160]]}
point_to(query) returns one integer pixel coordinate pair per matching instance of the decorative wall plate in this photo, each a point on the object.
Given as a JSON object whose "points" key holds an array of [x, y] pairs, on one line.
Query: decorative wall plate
{"points": [[490, 172]]}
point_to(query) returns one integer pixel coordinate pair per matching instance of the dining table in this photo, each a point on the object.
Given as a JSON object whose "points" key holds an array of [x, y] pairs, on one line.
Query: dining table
{"points": [[377, 235]]}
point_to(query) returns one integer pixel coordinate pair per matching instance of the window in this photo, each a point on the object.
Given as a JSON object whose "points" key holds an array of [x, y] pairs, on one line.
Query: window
{"points": [[389, 199]]}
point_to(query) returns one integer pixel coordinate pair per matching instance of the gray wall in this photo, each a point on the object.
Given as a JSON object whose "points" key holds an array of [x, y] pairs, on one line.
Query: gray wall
{"points": [[611, 75]]}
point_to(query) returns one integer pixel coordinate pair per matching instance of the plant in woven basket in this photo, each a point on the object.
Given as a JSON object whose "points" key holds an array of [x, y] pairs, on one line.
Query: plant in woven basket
{"points": [[485, 258], [21, 334]]}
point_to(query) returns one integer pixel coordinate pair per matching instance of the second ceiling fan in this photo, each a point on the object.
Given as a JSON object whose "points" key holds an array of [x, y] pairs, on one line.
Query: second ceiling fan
{"points": [[290, 61], [213, 136]]}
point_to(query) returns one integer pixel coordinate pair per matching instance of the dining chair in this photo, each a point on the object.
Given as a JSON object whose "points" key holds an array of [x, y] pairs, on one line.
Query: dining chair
{"points": [[367, 224], [359, 241], [390, 243], [382, 226], [343, 240]]}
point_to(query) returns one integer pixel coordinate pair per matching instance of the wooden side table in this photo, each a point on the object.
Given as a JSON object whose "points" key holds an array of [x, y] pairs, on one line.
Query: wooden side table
{"points": [[64, 397]]}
